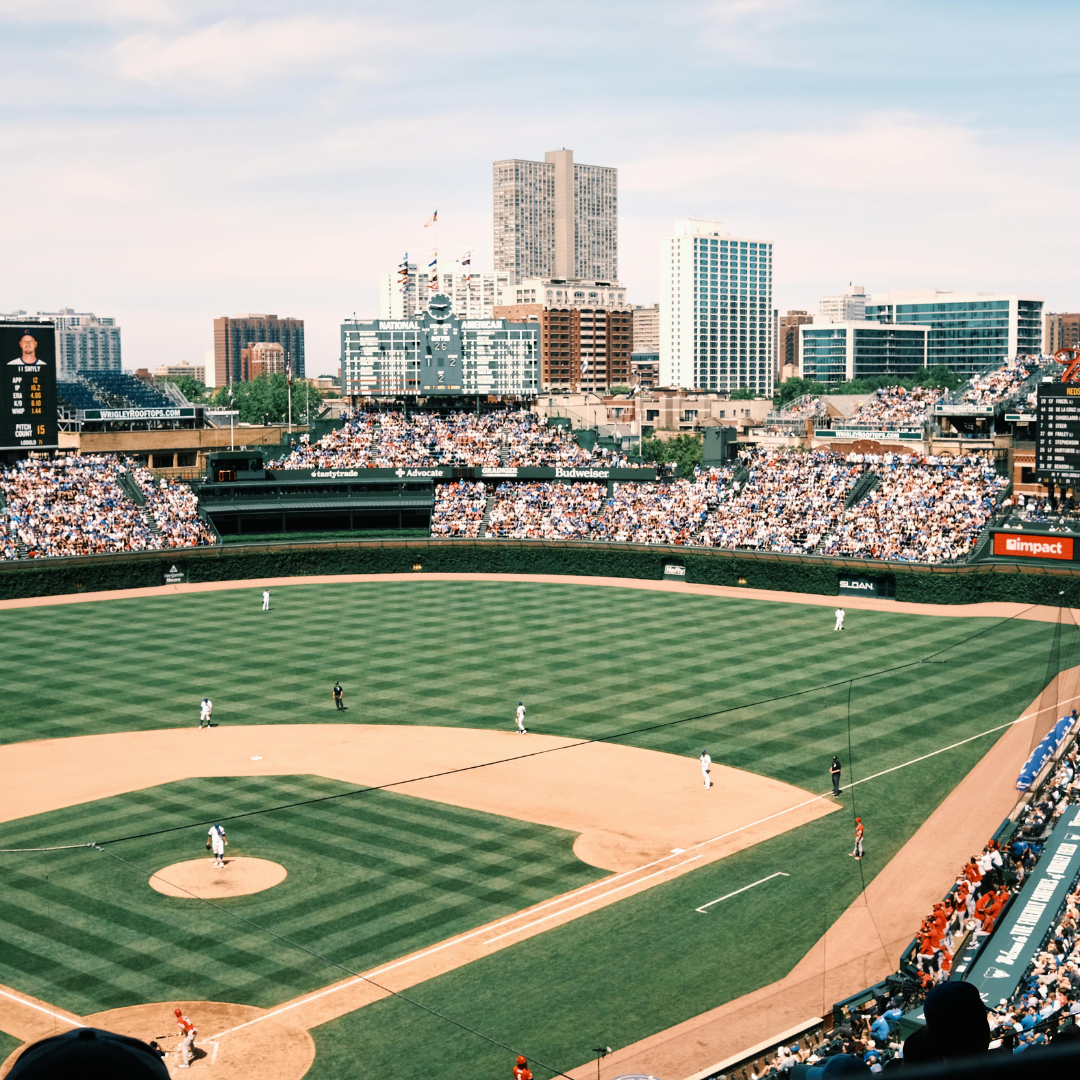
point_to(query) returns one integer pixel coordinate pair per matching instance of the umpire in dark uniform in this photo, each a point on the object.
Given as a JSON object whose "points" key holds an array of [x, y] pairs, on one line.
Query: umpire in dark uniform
{"points": [[338, 696], [834, 772]]}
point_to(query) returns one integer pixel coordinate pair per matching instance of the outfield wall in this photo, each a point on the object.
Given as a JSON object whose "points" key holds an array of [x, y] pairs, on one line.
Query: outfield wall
{"points": [[956, 584]]}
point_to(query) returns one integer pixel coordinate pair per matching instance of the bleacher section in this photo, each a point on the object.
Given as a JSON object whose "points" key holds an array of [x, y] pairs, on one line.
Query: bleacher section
{"points": [[93, 505], [77, 395], [122, 391]]}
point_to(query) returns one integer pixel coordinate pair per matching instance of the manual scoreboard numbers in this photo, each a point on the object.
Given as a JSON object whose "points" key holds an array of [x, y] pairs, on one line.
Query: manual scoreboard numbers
{"points": [[1057, 449], [28, 386]]}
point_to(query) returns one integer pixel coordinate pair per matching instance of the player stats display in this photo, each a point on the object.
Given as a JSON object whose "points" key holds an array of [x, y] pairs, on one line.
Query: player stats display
{"points": [[1057, 451], [28, 386]]}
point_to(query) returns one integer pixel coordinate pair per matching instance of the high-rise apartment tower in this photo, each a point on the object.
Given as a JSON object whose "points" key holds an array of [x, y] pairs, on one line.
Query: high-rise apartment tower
{"points": [[556, 219]]}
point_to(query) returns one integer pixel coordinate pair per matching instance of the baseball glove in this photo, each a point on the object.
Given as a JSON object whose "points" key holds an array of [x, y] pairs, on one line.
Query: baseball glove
{"points": [[207, 843]]}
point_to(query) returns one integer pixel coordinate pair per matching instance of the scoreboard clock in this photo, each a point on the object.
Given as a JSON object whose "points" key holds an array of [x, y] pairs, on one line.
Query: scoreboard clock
{"points": [[28, 386], [440, 356]]}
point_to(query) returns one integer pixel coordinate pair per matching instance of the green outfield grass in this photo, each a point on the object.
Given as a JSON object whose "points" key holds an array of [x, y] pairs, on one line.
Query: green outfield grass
{"points": [[370, 879], [7, 1044], [589, 662]]}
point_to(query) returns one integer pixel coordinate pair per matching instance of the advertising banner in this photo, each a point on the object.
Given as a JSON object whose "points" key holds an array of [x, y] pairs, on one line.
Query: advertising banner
{"points": [[177, 412], [998, 969], [28, 386], [487, 472], [1025, 546]]}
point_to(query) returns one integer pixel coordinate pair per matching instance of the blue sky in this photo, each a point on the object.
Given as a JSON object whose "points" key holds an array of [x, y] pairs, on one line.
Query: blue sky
{"points": [[176, 161]]}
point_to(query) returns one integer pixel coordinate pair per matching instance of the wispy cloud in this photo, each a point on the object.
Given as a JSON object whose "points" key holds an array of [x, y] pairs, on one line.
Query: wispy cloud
{"points": [[240, 53]]}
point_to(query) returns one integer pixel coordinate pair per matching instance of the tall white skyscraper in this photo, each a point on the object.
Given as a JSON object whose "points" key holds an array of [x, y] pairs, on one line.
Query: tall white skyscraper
{"points": [[556, 219], [849, 306], [717, 322]]}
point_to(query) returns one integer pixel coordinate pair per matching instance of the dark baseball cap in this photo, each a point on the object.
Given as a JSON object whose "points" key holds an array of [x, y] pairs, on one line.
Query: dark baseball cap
{"points": [[90, 1054], [830, 1068]]}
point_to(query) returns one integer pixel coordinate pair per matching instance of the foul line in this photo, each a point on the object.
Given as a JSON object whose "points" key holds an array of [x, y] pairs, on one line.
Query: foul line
{"points": [[41, 1008], [591, 900], [703, 907]]}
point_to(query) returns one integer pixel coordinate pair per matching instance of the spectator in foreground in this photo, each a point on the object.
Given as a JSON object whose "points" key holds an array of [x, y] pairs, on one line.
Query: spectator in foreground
{"points": [[89, 1054]]}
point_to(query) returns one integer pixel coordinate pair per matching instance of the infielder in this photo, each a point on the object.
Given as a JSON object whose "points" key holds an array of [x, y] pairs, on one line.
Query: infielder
{"points": [[188, 1032], [520, 717], [857, 853], [217, 840], [206, 710], [839, 619], [706, 761], [266, 599]]}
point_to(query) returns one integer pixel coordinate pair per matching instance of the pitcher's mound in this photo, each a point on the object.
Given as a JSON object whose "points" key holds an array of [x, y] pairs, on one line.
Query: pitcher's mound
{"points": [[199, 879]]}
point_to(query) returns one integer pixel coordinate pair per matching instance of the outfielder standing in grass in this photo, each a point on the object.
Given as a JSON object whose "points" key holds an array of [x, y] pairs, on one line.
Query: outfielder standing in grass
{"points": [[519, 716], [206, 710], [188, 1032]]}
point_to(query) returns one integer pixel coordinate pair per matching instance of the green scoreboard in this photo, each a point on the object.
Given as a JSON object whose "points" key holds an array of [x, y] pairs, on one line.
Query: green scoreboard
{"points": [[28, 386]]}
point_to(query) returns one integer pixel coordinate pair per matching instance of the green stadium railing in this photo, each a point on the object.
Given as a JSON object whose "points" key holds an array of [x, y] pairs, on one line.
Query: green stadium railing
{"points": [[1054, 584]]}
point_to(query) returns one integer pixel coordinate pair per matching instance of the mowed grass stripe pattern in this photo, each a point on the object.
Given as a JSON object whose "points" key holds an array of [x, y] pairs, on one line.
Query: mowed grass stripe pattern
{"points": [[588, 661], [370, 878]]}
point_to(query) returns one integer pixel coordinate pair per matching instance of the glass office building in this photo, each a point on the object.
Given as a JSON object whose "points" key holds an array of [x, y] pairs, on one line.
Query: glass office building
{"points": [[968, 332], [836, 352]]}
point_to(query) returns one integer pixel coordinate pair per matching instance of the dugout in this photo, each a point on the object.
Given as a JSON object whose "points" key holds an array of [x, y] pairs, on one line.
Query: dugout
{"points": [[260, 500]]}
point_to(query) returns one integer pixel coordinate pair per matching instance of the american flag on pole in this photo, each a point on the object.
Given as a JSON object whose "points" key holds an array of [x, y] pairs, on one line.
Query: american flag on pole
{"points": [[432, 220]]}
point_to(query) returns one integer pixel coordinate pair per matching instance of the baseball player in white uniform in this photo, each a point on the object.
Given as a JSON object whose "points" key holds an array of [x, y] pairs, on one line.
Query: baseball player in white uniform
{"points": [[839, 619], [706, 761], [266, 599], [520, 717], [218, 840], [206, 709]]}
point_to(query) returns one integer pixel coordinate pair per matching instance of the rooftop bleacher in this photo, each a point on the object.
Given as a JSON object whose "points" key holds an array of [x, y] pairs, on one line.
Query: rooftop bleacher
{"points": [[76, 395], [123, 391]]}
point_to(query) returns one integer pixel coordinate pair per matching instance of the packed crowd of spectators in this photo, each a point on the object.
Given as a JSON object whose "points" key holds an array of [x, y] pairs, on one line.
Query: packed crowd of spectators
{"points": [[1002, 383], [895, 407], [545, 510], [75, 505], [671, 513], [391, 440], [788, 502], [174, 508], [459, 509], [925, 509]]}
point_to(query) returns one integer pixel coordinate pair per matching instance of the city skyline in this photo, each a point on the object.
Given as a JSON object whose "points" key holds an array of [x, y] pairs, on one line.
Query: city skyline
{"points": [[935, 165]]}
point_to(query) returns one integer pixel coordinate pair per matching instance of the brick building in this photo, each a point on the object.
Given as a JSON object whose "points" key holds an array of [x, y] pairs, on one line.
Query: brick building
{"points": [[233, 334], [1062, 331], [580, 349]]}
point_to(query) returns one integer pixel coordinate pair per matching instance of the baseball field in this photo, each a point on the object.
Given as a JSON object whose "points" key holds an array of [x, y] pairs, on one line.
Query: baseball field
{"points": [[500, 894]]}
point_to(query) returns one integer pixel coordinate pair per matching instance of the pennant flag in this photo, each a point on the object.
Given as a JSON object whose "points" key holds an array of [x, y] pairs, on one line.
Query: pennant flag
{"points": [[434, 261], [466, 259], [433, 220], [288, 373]]}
